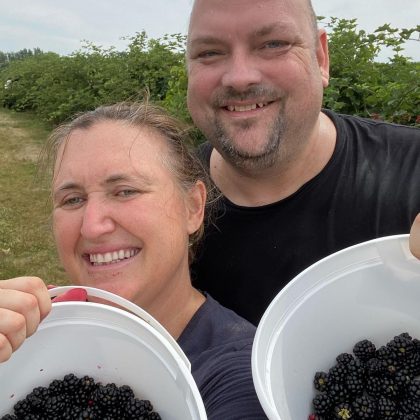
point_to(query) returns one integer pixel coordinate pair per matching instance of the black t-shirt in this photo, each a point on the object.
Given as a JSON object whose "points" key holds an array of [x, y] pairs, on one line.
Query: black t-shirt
{"points": [[370, 188]]}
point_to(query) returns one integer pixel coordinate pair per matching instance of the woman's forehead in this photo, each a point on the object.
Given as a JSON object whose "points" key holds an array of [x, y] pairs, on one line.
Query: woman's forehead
{"points": [[110, 145], [116, 136]]}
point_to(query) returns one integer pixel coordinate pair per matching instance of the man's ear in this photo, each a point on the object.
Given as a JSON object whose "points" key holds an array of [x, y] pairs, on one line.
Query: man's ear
{"points": [[196, 202], [323, 56]]}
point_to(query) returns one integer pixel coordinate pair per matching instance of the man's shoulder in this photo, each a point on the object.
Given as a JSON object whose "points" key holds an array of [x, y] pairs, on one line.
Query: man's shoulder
{"points": [[370, 125]]}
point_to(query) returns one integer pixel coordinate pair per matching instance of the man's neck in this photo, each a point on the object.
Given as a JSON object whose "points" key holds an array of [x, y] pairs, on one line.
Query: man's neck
{"points": [[260, 187]]}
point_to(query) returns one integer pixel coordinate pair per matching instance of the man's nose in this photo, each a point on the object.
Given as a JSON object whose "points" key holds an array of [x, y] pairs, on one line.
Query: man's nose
{"points": [[241, 72]]}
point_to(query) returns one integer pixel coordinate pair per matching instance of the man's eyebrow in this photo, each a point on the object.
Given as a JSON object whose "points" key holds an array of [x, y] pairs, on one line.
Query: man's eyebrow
{"points": [[268, 29], [204, 40], [265, 30]]}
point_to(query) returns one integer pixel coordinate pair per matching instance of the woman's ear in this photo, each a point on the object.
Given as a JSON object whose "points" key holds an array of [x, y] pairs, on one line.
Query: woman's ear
{"points": [[196, 202], [415, 237]]}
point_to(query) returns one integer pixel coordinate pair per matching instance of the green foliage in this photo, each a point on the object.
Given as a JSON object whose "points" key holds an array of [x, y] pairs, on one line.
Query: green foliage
{"points": [[56, 87], [362, 85]]}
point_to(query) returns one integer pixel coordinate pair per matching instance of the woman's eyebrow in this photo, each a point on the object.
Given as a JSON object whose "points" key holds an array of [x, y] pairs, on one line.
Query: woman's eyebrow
{"points": [[115, 178]]}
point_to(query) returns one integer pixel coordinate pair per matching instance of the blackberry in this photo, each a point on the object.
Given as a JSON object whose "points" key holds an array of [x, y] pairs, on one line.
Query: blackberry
{"points": [[355, 385], [386, 408], [405, 407], [88, 414], [374, 367], [70, 383], [55, 387], [390, 365], [344, 358], [338, 393], [381, 383], [389, 389], [364, 350], [401, 346], [406, 335], [54, 404], [384, 352], [113, 413], [137, 408], [414, 390], [402, 380], [413, 364], [106, 395], [322, 404], [356, 368], [126, 393], [84, 390], [72, 398], [71, 412], [416, 344], [343, 411], [337, 374], [364, 407], [410, 416], [374, 386], [22, 407]]}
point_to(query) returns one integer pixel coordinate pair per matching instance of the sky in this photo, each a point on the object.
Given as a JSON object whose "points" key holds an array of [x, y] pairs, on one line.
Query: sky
{"points": [[61, 26]]}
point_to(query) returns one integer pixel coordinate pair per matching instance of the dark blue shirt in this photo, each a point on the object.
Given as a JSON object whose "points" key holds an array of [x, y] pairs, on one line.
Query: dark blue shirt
{"points": [[218, 344]]}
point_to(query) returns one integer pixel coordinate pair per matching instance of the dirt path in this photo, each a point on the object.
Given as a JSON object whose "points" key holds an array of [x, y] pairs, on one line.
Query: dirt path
{"points": [[16, 143]]}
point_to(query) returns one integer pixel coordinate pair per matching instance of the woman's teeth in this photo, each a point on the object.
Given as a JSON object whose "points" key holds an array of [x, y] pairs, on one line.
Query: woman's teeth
{"points": [[112, 257]]}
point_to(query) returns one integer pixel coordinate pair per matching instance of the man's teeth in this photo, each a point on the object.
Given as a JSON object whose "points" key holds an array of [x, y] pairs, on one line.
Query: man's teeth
{"points": [[112, 257], [240, 108]]}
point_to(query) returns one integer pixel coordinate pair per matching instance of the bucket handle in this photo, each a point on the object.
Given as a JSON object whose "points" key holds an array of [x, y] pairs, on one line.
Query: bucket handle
{"points": [[129, 306]]}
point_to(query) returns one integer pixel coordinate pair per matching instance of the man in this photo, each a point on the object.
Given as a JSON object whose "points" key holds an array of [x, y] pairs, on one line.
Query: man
{"points": [[298, 182]]}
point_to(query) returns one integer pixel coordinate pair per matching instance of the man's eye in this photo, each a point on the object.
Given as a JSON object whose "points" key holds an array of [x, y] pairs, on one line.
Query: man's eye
{"points": [[207, 54], [275, 44], [126, 193]]}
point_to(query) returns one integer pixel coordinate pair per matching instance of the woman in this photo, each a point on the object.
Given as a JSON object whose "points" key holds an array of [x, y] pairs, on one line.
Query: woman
{"points": [[128, 207]]}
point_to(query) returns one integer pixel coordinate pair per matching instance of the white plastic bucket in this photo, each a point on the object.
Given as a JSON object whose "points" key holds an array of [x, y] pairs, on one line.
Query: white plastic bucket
{"points": [[370, 290], [109, 344]]}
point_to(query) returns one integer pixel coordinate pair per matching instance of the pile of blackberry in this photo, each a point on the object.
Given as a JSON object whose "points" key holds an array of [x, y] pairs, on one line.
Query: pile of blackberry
{"points": [[371, 383], [82, 398]]}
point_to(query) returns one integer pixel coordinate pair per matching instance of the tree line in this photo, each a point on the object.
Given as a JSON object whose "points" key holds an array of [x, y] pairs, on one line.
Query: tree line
{"points": [[55, 87]]}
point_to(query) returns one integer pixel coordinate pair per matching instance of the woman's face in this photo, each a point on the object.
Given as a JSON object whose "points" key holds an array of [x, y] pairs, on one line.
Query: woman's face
{"points": [[121, 222]]}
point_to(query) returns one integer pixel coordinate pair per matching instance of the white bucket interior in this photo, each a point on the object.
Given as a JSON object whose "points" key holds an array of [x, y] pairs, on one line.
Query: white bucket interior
{"points": [[371, 290], [110, 345]]}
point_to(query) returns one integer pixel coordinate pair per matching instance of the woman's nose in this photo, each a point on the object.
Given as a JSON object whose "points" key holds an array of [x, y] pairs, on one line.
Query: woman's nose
{"points": [[97, 219]]}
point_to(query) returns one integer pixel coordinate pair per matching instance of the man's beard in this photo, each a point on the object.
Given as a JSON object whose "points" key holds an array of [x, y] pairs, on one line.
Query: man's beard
{"points": [[264, 159], [223, 142]]}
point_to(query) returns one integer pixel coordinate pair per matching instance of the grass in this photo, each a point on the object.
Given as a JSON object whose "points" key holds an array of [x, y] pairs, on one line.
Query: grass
{"points": [[26, 243]]}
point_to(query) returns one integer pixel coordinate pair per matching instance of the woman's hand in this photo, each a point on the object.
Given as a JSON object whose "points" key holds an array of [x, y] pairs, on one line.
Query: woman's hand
{"points": [[415, 237], [24, 303]]}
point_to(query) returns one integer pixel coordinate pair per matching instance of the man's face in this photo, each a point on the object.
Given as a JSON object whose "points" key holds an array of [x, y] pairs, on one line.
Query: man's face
{"points": [[256, 71]]}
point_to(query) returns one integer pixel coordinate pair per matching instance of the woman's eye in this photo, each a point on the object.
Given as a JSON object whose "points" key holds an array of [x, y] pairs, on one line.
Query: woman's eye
{"points": [[72, 201]]}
